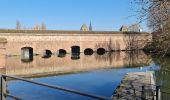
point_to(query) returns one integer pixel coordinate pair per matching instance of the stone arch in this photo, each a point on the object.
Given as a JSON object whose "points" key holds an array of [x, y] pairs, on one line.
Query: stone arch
{"points": [[61, 53], [75, 49], [101, 51], [75, 52], [88, 51], [47, 53], [27, 54]]}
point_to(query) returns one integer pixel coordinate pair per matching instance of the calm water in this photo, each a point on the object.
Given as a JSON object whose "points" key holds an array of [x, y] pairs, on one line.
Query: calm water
{"points": [[96, 74]]}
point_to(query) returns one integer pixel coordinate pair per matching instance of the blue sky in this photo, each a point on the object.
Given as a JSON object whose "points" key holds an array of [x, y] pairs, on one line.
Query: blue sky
{"points": [[105, 15]]}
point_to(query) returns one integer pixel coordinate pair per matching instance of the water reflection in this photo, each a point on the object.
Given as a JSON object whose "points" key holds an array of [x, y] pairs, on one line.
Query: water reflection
{"points": [[56, 65], [75, 56]]}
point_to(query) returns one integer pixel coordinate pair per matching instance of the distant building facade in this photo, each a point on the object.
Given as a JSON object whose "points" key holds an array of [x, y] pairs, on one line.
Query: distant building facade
{"points": [[90, 27], [124, 28], [84, 27]]}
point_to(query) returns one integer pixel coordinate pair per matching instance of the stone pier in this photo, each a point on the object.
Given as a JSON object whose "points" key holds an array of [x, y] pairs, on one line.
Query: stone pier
{"points": [[136, 86]]}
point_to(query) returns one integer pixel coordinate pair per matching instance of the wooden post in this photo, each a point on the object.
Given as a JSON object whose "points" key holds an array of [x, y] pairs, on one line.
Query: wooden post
{"points": [[3, 87], [143, 93], [134, 92], [158, 93]]}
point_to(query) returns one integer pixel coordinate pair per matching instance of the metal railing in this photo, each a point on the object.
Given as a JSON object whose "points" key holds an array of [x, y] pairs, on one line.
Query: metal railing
{"points": [[4, 93], [156, 90], [144, 92]]}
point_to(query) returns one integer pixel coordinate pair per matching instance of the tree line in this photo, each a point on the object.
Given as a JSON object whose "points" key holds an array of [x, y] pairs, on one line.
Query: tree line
{"points": [[157, 15], [35, 27]]}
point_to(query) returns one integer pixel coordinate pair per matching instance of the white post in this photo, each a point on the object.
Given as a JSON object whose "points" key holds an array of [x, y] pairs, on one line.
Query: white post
{"points": [[3, 87]]}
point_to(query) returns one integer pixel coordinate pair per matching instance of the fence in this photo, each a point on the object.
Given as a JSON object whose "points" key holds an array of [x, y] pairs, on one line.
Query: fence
{"points": [[4, 93], [153, 94], [141, 92]]}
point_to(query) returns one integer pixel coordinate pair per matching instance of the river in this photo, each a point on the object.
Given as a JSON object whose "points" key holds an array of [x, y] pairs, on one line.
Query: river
{"points": [[95, 74]]}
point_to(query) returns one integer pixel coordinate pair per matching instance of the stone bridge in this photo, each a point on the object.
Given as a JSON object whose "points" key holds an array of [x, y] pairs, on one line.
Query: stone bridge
{"points": [[55, 40]]}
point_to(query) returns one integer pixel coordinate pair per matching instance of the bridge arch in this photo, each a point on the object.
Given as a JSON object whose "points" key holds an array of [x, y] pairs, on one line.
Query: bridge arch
{"points": [[101, 51], [46, 53], [61, 53], [75, 49], [75, 52], [27, 54], [88, 51]]}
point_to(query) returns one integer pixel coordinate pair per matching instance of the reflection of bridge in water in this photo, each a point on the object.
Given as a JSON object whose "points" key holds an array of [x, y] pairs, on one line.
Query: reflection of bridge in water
{"points": [[57, 65]]}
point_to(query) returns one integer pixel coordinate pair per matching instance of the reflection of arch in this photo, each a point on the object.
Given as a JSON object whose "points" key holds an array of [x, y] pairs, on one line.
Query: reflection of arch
{"points": [[47, 54], [75, 57], [61, 53], [88, 51], [101, 51], [27, 54]]}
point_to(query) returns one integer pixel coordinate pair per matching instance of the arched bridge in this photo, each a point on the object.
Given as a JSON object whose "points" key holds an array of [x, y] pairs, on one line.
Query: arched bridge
{"points": [[70, 41]]}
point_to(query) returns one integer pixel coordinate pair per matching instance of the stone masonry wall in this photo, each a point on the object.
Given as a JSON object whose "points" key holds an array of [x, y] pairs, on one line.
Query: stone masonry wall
{"points": [[53, 42]]}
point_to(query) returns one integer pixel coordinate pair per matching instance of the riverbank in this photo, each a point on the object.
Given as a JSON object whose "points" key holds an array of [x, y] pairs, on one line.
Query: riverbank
{"points": [[135, 86]]}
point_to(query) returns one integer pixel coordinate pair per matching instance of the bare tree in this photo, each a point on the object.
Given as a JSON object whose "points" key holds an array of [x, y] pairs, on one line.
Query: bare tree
{"points": [[43, 26], [37, 27], [40, 27], [155, 11], [158, 19], [134, 27], [18, 25], [131, 41]]}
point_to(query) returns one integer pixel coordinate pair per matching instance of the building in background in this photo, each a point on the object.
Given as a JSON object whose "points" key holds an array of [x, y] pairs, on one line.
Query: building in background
{"points": [[124, 28]]}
